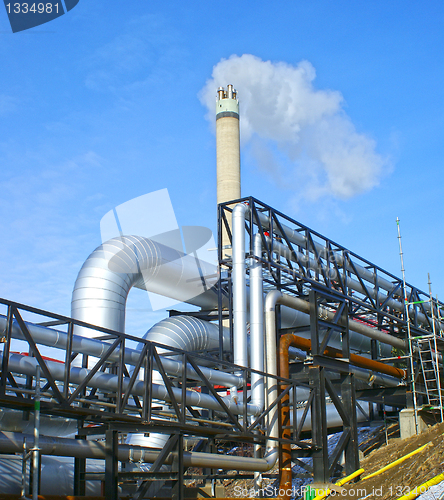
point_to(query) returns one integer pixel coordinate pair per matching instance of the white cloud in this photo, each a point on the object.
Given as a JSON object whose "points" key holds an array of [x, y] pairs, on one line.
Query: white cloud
{"points": [[297, 133]]}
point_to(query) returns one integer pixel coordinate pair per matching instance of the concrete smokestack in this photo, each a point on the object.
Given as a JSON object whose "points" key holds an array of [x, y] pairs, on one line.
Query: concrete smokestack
{"points": [[227, 145], [227, 152]]}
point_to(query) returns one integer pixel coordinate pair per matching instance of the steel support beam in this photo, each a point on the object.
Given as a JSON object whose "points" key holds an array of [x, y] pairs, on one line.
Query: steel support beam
{"points": [[319, 425], [351, 427], [178, 468], [111, 469]]}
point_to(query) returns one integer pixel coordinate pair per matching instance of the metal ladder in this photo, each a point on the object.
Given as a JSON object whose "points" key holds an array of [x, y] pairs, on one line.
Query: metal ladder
{"points": [[430, 349], [427, 350]]}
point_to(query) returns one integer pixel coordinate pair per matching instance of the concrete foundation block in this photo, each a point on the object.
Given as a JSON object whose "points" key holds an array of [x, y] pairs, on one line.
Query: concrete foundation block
{"points": [[407, 426]]}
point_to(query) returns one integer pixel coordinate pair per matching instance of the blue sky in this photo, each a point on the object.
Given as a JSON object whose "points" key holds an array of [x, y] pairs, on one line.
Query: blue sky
{"points": [[107, 103]]}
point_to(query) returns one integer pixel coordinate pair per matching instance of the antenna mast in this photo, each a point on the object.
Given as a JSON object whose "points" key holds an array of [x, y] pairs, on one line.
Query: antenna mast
{"points": [[406, 305]]}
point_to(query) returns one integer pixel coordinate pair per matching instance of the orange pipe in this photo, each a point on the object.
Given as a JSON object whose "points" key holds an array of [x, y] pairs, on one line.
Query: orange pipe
{"points": [[355, 359], [286, 341], [285, 480]]}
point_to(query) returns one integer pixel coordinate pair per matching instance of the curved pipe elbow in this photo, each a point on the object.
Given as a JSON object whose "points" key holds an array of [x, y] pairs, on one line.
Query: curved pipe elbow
{"points": [[105, 279], [187, 334], [271, 457], [272, 300], [240, 210]]}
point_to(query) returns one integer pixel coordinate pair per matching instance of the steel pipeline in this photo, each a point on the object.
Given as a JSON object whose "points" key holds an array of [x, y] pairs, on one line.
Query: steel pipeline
{"points": [[105, 381], [192, 328], [12, 442], [284, 371], [363, 273], [276, 297]]}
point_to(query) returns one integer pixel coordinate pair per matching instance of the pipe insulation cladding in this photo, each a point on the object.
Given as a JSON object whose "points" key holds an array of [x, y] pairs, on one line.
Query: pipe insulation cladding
{"points": [[358, 270], [109, 382], [183, 332], [105, 279], [108, 274], [239, 293]]}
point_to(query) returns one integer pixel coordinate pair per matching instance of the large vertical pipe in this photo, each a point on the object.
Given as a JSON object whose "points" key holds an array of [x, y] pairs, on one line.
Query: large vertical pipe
{"points": [[257, 324], [257, 337], [239, 287], [36, 449]]}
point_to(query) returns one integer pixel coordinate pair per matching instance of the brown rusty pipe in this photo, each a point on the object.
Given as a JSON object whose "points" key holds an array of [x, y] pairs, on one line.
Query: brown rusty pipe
{"points": [[285, 484], [355, 359]]}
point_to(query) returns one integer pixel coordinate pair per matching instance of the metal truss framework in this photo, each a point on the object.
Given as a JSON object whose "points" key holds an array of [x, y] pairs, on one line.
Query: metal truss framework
{"points": [[111, 412], [313, 372], [298, 259], [302, 263]]}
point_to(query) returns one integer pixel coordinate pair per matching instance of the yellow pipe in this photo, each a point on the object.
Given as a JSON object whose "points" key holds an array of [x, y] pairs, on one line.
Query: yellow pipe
{"points": [[396, 462], [419, 490], [342, 481], [347, 479]]}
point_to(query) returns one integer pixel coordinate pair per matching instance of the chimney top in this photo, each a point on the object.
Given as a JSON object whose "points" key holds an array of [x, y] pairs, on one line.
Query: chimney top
{"points": [[230, 93]]}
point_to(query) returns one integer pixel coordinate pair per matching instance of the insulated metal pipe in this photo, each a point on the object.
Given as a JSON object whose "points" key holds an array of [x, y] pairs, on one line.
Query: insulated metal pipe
{"points": [[190, 335], [271, 388], [257, 324], [187, 334], [365, 274], [276, 297], [13, 420], [333, 417], [299, 239], [108, 382], [12, 442], [296, 303], [102, 286], [239, 287], [105, 279], [296, 256], [199, 334], [36, 447]]}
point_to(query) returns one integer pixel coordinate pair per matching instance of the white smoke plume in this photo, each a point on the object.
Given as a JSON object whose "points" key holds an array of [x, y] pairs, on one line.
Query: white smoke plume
{"points": [[297, 133]]}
